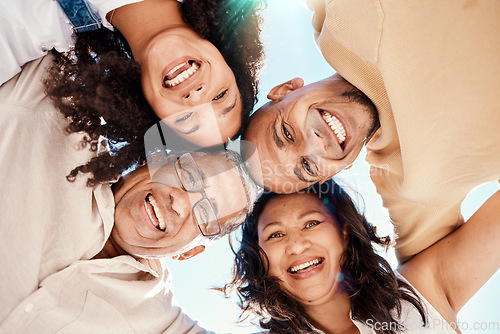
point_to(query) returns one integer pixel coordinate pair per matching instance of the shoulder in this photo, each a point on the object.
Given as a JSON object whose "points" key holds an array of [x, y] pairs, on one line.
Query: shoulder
{"points": [[423, 276], [27, 86]]}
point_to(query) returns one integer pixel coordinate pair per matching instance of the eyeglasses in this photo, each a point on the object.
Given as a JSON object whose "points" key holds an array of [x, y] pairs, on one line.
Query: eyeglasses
{"points": [[191, 180]]}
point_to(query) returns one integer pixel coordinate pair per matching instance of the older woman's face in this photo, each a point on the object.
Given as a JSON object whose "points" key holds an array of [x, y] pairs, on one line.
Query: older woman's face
{"points": [[303, 243]]}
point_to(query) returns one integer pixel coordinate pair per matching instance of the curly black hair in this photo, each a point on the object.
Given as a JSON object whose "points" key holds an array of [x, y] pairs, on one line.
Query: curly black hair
{"points": [[97, 84], [374, 290]]}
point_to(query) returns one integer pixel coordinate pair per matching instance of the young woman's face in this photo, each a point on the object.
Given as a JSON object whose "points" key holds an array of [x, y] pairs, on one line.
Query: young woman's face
{"points": [[183, 77], [303, 243]]}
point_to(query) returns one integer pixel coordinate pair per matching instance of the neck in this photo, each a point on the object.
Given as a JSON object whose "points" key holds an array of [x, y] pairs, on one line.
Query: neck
{"points": [[140, 22], [339, 309], [111, 249]]}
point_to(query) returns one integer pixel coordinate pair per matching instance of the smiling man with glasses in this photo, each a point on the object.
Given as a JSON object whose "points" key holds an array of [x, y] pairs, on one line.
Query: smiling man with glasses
{"points": [[176, 207], [173, 208]]}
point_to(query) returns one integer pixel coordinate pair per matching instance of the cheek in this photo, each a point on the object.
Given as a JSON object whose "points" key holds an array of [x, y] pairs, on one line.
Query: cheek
{"points": [[147, 87], [229, 125], [162, 106], [274, 255], [123, 216]]}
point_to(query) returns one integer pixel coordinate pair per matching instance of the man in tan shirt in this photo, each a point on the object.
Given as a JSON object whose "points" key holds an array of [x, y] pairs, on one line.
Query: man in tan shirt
{"points": [[432, 71]]}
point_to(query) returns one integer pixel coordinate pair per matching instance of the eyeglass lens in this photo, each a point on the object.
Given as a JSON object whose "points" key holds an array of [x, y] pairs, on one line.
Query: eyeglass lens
{"points": [[206, 217], [190, 175]]}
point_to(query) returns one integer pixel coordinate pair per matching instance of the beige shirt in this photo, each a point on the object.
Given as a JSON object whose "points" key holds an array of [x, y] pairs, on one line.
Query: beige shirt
{"points": [[46, 222], [432, 68], [119, 295]]}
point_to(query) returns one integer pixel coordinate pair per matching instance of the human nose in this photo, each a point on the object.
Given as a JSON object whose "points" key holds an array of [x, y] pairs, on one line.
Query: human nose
{"points": [[195, 95], [318, 144], [297, 243], [180, 203]]}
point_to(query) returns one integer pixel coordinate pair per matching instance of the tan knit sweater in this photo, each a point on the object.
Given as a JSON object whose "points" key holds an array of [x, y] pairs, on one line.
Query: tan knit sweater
{"points": [[432, 68]]}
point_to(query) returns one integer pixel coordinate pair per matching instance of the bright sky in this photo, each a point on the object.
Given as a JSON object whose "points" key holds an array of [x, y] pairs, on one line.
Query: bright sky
{"points": [[291, 52]]}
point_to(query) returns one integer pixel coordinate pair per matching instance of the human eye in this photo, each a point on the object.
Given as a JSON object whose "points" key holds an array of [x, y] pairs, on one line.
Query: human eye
{"points": [[286, 133], [205, 216], [308, 167], [312, 223], [275, 235], [188, 178], [220, 95]]}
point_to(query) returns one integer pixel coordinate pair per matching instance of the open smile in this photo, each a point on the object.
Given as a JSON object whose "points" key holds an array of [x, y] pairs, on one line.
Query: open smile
{"points": [[180, 73], [336, 126], [154, 213], [306, 266]]}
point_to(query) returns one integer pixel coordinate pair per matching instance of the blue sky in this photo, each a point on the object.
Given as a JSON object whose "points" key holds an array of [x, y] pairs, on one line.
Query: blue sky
{"points": [[291, 52]]}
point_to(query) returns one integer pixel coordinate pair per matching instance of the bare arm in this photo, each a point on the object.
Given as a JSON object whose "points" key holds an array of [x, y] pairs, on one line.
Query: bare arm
{"points": [[452, 270]]}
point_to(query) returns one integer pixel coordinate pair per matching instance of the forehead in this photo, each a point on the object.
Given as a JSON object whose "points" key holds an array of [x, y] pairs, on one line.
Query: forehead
{"points": [[290, 205], [211, 164]]}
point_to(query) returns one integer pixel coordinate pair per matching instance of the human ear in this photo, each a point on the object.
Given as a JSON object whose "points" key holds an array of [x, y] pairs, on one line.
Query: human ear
{"points": [[281, 90], [189, 254], [345, 236]]}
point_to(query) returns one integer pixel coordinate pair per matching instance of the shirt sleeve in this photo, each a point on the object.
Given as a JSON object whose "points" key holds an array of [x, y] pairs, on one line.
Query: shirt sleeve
{"points": [[417, 225], [28, 29], [117, 295]]}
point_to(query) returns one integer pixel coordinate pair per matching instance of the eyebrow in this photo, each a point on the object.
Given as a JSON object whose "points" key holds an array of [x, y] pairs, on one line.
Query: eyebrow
{"points": [[215, 205], [297, 170], [270, 225], [274, 223], [308, 213], [279, 143]]}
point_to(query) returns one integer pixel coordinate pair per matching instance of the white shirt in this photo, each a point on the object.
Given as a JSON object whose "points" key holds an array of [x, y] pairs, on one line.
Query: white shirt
{"points": [[119, 295], [30, 28], [46, 222]]}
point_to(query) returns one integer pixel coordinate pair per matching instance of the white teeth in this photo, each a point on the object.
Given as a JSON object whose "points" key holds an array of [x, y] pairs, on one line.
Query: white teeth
{"points": [[156, 213], [335, 125], [172, 71], [181, 76], [296, 268]]}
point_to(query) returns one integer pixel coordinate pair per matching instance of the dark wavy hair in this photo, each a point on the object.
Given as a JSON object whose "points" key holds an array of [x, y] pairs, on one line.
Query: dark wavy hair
{"points": [[97, 85], [373, 289]]}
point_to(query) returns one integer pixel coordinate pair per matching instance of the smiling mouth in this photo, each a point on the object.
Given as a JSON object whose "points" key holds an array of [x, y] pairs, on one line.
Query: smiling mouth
{"points": [[179, 73], [154, 213], [306, 266], [336, 126]]}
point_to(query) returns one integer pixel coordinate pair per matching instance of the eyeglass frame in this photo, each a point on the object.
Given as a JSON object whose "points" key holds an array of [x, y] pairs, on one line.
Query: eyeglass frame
{"points": [[201, 190]]}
